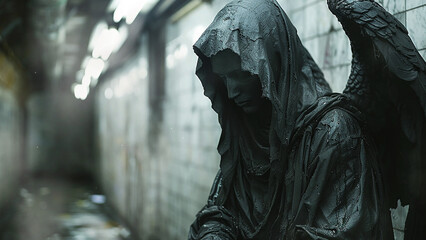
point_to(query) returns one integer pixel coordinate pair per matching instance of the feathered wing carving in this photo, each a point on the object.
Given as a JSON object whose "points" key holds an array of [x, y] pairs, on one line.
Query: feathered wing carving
{"points": [[388, 83]]}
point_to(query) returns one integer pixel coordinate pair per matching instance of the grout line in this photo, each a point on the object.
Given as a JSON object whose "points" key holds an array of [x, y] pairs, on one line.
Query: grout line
{"points": [[321, 35], [336, 66], [405, 12], [301, 8], [422, 5], [349, 64]]}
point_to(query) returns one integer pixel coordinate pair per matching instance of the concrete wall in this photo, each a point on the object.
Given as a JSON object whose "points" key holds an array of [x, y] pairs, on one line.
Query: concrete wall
{"points": [[158, 180], [11, 130]]}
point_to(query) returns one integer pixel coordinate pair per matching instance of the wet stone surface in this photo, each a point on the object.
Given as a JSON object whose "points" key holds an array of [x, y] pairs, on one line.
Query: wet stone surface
{"points": [[60, 210]]}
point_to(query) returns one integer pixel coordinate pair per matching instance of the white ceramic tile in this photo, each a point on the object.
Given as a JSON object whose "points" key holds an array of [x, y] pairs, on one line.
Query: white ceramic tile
{"points": [[402, 17], [298, 20], [394, 6], [423, 53], [318, 19], [414, 3], [416, 25], [340, 48]]}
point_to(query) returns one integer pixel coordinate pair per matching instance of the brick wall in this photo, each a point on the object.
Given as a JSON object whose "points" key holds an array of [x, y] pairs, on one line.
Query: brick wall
{"points": [[159, 183]]}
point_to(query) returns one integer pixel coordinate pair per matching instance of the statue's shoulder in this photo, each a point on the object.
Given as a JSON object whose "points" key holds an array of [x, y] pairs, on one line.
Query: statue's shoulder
{"points": [[339, 124], [330, 117]]}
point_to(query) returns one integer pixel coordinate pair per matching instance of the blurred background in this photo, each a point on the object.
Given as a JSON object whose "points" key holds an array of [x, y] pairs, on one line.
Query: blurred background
{"points": [[105, 132]]}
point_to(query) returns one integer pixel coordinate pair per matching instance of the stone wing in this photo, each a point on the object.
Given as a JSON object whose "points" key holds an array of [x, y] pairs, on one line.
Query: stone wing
{"points": [[388, 83]]}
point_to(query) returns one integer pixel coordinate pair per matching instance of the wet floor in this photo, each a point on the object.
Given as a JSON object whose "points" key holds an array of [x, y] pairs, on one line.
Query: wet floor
{"points": [[60, 210]]}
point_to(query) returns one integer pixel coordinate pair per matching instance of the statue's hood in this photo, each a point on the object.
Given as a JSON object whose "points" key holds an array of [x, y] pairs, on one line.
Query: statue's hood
{"points": [[261, 34]]}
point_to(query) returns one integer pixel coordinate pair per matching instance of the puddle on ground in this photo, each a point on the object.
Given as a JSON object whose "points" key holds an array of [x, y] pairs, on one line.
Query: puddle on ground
{"points": [[59, 210]]}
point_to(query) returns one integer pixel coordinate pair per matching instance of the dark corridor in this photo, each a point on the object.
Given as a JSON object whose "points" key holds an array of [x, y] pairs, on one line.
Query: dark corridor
{"points": [[105, 131]]}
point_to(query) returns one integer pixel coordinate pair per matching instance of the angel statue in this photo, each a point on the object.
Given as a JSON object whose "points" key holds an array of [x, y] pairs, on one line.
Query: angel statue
{"points": [[301, 162]]}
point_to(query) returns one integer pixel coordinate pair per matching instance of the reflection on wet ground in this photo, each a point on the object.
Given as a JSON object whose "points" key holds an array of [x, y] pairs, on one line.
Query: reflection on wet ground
{"points": [[59, 210]]}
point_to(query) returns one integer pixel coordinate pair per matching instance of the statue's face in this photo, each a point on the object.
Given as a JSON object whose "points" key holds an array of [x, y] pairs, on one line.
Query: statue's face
{"points": [[243, 88]]}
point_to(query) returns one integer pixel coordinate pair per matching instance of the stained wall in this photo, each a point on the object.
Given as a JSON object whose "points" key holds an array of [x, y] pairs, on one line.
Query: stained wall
{"points": [[11, 129], [127, 169]]}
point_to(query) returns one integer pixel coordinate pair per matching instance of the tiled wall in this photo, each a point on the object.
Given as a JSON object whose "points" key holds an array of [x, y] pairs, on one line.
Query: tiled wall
{"points": [[191, 129], [160, 189], [323, 36], [126, 169]]}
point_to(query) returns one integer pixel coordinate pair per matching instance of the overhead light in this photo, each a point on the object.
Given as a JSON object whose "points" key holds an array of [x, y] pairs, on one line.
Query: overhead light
{"points": [[81, 91], [86, 80], [106, 44], [109, 41], [95, 38], [94, 68], [129, 9]]}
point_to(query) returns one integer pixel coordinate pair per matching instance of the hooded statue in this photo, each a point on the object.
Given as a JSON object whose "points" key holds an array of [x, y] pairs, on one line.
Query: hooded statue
{"points": [[296, 161]]}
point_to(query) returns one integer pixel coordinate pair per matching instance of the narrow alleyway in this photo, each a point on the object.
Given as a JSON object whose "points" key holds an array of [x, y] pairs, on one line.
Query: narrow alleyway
{"points": [[107, 90], [52, 209]]}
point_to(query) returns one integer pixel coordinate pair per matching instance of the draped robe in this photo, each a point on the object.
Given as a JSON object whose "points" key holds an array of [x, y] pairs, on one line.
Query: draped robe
{"points": [[305, 168]]}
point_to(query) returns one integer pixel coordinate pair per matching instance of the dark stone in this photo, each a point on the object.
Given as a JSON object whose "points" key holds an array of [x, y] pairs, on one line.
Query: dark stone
{"points": [[297, 161]]}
